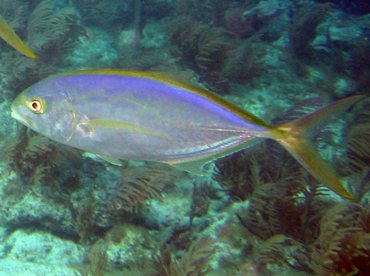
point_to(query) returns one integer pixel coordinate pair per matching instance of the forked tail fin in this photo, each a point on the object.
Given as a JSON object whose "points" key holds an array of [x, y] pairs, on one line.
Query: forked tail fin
{"points": [[295, 137]]}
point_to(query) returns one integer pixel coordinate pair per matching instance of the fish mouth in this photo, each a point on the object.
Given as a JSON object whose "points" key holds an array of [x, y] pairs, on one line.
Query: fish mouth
{"points": [[19, 118]]}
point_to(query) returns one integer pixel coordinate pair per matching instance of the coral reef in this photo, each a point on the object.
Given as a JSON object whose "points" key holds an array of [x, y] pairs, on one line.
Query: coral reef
{"points": [[205, 48], [138, 185], [52, 31], [343, 247], [38, 160], [193, 262], [255, 212], [304, 29], [358, 154], [360, 65], [104, 14], [297, 227]]}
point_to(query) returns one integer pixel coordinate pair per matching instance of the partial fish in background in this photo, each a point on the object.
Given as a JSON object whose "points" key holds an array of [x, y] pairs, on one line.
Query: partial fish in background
{"points": [[7, 33], [145, 116]]}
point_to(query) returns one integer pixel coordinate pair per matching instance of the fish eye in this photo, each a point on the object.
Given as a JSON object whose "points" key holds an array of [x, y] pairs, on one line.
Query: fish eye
{"points": [[37, 106]]}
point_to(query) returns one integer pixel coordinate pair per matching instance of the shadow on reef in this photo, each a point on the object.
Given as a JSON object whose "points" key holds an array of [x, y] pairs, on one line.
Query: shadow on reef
{"points": [[357, 7]]}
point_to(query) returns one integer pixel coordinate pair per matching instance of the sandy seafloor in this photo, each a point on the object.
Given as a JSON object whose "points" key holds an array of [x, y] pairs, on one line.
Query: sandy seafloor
{"points": [[257, 212]]}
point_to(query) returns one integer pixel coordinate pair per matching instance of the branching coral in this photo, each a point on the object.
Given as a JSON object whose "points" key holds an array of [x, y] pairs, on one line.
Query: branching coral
{"points": [[244, 63], [282, 195], [139, 59], [98, 259], [286, 207], [343, 247], [36, 159], [358, 153], [304, 29], [52, 31], [267, 162], [239, 174], [139, 184], [200, 200], [358, 141], [84, 220], [193, 262], [218, 58], [360, 64], [15, 12], [282, 251], [204, 47], [50, 28], [274, 212], [105, 14], [338, 245], [205, 11]]}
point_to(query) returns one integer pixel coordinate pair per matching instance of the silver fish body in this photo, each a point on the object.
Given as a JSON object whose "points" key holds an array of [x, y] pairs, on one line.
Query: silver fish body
{"points": [[143, 116], [134, 116]]}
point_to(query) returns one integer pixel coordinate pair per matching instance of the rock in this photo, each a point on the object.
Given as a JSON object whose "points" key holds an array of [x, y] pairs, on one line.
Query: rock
{"points": [[38, 253]]}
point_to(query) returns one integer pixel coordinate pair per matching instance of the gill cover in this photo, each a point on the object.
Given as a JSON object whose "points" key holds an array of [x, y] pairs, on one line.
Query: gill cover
{"points": [[62, 119]]}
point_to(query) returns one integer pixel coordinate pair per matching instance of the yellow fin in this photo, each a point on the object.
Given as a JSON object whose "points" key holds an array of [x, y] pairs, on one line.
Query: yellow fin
{"points": [[294, 136], [7, 33]]}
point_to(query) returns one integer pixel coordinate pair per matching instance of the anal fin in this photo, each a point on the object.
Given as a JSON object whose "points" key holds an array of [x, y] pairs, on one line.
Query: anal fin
{"points": [[195, 167], [111, 160]]}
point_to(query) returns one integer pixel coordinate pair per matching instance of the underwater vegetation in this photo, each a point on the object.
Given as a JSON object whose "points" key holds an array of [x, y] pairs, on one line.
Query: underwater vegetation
{"points": [[214, 55], [100, 13], [324, 238], [35, 158], [193, 262], [360, 64], [51, 30], [204, 47], [138, 185], [304, 29], [255, 212], [357, 143]]}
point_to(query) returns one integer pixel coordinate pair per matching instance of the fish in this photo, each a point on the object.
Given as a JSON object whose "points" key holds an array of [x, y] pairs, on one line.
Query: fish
{"points": [[8, 34], [131, 115]]}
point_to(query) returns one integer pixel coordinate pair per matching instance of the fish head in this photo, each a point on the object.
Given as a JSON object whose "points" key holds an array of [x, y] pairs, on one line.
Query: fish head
{"points": [[47, 111]]}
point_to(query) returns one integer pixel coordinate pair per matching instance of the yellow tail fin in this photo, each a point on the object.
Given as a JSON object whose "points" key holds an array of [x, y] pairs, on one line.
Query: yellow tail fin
{"points": [[7, 33], [295, 135]]}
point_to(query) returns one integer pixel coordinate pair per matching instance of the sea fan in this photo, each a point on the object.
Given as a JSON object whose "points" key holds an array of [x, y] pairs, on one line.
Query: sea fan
{"points": [[139, 184], [343, 247], [358, 154], [203, 47], [52, 29], [35, 158], [285, 199], [304, 29], [194, 261], [358, 141]]}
